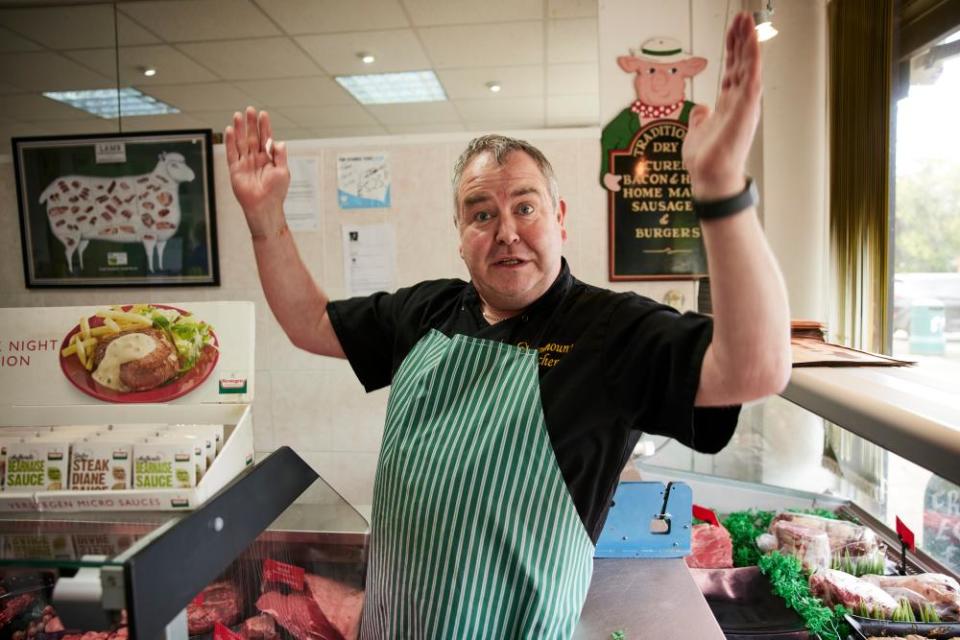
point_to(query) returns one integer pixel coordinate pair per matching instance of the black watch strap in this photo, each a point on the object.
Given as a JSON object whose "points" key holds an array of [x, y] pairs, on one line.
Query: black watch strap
{"points": [[713, 209]]}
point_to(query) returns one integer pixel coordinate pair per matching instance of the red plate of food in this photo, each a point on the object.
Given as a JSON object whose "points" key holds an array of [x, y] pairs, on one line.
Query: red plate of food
{"points": [[139, 353]]}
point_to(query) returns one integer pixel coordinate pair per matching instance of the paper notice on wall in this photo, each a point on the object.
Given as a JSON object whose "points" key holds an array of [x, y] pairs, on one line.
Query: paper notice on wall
{"points": [[363, 181], [369, 258], [302, 206]]}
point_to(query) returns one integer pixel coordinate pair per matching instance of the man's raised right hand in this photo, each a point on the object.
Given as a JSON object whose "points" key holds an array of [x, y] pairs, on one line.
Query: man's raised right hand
{"points": [[259, 179]]}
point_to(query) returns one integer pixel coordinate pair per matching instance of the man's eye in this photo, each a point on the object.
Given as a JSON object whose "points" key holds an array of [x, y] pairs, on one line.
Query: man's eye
{"points": [[481, 216], [525, 209]]}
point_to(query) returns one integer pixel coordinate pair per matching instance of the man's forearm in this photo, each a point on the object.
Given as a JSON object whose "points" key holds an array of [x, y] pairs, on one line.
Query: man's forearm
{"points": [[296, 300], [751, 338]]}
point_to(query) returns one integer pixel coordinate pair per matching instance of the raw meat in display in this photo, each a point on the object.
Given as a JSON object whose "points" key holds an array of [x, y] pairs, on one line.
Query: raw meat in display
{"points": [[710, 548], [810, 546], [341, 603], [843, 535], [14, 606], [937, 589], [259, 628], [836, 587], [767, 542], [299, 614], [218, 602], [53, 625]]}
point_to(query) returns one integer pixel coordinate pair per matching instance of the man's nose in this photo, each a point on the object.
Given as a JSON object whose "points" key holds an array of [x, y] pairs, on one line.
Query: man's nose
{"points": [[506, 229]]}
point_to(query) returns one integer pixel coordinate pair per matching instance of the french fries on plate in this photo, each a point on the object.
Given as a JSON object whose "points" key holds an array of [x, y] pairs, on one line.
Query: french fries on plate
{"points": [[84, 343]]}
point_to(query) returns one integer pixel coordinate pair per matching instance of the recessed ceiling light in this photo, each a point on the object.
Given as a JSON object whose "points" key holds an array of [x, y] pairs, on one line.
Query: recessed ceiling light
{"points": [[149, 71], [388, 88], [367, 58], [103, 102], [494, 87]]}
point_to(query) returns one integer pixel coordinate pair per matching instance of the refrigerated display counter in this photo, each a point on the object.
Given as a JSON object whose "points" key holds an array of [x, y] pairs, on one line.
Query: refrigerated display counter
{"points": [[248, 550], [871, 445]]}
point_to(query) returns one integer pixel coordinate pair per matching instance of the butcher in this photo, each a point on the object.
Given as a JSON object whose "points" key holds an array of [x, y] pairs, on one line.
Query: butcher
{"points": [[517, 397], [661, 70]]}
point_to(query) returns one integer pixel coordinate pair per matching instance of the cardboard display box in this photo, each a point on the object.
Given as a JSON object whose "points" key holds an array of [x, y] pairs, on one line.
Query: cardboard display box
{"points": [[34, 392]]}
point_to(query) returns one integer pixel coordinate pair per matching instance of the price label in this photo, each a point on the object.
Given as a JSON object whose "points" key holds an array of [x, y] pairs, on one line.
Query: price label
{"points": [[282, 572], [707, 515]]}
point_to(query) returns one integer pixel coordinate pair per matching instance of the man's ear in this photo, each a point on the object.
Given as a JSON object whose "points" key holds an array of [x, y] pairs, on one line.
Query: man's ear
{"points": [[561, 217]]}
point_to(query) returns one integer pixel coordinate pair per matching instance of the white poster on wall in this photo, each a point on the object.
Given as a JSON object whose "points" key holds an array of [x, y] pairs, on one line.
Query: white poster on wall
{"points": [[363, 181], [302, 205], [369, 258]]}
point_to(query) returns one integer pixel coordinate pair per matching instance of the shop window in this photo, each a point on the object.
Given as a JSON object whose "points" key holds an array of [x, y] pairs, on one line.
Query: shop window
{"points": [[926, 244]]}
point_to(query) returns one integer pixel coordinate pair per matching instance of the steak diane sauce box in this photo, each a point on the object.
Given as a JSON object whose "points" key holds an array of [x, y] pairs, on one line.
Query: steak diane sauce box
{"points": [[99, 464]]}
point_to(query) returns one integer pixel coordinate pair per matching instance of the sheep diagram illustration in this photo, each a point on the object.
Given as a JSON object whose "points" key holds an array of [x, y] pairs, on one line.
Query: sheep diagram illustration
{"points": [[141, 208]]}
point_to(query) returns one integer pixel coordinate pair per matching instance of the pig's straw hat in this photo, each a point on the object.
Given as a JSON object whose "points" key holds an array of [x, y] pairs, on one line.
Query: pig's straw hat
{"points": [[664, 50]]}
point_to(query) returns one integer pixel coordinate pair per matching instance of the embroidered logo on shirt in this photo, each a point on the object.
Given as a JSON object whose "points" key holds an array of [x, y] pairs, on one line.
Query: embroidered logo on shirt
{"points": [[550, 353]]}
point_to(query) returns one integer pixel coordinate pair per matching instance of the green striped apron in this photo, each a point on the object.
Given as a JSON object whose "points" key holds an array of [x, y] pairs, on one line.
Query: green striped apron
{"points": [[473, 533]]}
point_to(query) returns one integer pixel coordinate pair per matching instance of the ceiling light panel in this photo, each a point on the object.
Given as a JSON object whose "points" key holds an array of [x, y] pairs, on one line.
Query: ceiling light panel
{"points": [[104, 104], [392, 88]]}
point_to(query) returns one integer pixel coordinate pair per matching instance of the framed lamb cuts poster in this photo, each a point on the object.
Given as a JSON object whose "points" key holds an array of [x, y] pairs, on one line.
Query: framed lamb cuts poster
{"points": [[117, 209]]}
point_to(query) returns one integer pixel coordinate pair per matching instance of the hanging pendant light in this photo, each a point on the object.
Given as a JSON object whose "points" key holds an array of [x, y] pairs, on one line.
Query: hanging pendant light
{"points": [[764, 21]]}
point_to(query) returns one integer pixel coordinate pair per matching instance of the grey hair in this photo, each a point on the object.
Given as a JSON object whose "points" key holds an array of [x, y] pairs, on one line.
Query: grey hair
{"points": [[501, 147]]}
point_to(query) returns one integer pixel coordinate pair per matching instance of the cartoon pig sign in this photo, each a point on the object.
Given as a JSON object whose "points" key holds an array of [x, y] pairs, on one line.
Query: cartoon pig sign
{"points": [[662, 68]]}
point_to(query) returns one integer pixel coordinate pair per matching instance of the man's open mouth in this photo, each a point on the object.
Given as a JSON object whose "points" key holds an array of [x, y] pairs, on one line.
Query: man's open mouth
{"points": [[509, 262]]}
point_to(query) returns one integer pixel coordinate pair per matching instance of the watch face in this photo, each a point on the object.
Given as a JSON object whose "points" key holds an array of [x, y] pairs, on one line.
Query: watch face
{"points": [[674, 298]]}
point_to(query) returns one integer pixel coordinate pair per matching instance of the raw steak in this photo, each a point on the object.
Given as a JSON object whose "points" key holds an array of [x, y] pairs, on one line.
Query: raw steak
{"points": [[299, 614], [259, 628], [938, 589], [843, 535], [342, 604], [711, 547], [810, 546], [219, 602], [836, 587]]}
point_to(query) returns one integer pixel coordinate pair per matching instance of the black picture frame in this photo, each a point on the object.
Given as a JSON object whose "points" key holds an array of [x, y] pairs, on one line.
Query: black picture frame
{"points": [[117, 210]]}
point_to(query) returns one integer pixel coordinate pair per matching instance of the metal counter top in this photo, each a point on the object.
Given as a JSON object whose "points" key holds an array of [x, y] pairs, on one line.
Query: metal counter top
{"points": [[645, 599]]}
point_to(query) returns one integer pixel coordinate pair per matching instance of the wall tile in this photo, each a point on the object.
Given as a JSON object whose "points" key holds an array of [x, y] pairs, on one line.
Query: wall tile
{"points": [[263, 412], [349, 474]]}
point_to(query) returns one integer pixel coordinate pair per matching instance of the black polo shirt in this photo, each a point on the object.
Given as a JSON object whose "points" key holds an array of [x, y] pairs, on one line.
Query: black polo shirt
{"points": [[612, 365]]}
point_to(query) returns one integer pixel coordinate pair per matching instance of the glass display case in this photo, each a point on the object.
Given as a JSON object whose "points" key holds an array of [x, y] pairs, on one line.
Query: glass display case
{"points": [[876, 447], [247, 552]]}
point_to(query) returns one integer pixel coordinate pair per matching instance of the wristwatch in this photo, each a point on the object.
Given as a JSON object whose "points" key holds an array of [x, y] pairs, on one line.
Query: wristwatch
{"points": [[713, 209]]}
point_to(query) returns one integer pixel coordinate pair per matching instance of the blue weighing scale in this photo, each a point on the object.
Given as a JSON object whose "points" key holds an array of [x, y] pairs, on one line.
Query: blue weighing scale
{"points": [[648, 520]]}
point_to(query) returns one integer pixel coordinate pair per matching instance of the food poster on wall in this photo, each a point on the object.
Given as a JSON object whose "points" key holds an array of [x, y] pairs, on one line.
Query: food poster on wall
{"points": [[363, 181], [654, 233], [211, 343]]}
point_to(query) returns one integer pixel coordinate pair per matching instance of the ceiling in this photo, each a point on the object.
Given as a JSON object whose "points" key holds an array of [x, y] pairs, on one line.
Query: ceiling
{"points": [[215, 56]]}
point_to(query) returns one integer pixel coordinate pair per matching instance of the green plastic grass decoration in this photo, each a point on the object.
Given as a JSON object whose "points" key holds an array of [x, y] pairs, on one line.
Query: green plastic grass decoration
{"points": [[789, 581], [744, 527]]}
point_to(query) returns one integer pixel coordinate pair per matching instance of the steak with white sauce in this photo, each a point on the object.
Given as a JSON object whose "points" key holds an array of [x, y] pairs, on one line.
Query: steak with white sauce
{"points": [[152, 370]]}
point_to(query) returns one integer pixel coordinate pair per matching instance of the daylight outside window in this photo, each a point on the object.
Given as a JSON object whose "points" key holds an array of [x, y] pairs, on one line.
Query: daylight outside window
{"points": [[926, 288]]}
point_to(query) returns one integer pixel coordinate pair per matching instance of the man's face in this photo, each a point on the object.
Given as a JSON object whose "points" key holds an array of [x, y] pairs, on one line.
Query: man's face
{"points": [[510, 233]]}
